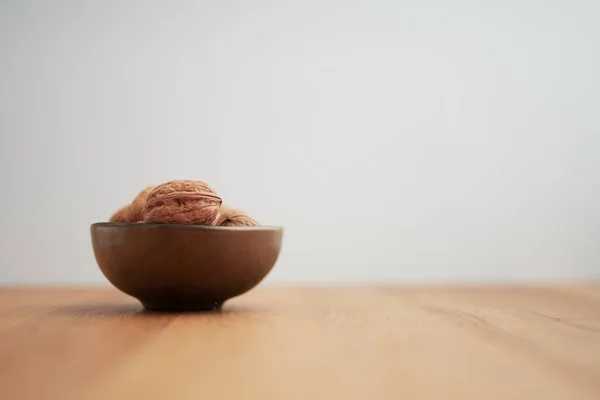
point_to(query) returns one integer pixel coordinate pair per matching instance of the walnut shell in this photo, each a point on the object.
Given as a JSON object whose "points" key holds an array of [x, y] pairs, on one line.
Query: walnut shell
{"points": [[231, 217], [133, 212], [182, 202]]}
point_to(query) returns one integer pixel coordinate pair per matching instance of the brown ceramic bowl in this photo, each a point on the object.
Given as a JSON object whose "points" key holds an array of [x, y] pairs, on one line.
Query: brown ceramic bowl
{"points": [[175, 267]]}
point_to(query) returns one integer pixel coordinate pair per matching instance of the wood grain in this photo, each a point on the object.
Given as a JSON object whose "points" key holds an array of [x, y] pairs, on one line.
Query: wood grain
{"points": [[305, 343]]}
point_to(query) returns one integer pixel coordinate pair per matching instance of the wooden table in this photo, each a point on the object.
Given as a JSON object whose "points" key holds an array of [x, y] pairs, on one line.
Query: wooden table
{"points": [[305, 343]]}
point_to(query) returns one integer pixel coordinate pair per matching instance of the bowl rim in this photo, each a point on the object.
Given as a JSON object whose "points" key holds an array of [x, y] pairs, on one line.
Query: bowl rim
{"points": [[142, 225]]}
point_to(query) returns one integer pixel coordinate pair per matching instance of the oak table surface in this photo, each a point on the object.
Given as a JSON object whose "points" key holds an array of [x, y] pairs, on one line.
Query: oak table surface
{"points": [[305, 343]]}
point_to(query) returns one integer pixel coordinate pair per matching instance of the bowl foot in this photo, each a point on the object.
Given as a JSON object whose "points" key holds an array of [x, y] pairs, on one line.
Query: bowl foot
{"points": [[166, 306]]}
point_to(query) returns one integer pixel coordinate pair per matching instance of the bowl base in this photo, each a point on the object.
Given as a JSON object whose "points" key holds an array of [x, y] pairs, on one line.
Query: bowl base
{"points": [[163, 306]]}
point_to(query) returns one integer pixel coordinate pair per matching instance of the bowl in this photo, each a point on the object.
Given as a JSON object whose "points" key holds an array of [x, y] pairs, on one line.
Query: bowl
{"points": [[173, 267]]}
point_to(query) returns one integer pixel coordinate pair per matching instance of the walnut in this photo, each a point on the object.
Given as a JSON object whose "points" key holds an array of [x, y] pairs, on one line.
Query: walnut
{"points": [[182, 202], [133, 211], [232, 217]]}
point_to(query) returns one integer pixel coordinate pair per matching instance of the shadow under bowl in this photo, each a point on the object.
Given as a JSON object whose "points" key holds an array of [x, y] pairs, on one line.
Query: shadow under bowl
{"points": [[173, 267]]}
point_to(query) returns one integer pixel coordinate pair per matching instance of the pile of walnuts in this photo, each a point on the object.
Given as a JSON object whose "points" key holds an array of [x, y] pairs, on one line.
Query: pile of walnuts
{"points": [[181, 202]]}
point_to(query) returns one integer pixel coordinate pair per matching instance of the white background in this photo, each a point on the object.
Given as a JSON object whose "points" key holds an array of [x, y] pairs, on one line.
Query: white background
{"points": [[396, 141]]}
